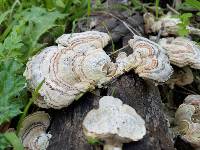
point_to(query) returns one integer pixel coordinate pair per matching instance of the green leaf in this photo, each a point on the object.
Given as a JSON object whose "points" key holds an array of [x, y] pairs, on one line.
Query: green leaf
{"points": [[3, 16], [193, 3], [89, 7], [11, 47], [11, 84], [3, 142], [93, 141], [35, 19], [185, 21], [198, 13], [35, 95], [14, 140], [157, 8], [60, 3], [137, 4]]}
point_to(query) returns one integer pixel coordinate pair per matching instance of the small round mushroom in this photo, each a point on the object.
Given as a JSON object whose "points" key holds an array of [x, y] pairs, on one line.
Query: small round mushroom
{"points": [[33, 131], [182, 51], [148, 60], [114, 123]]}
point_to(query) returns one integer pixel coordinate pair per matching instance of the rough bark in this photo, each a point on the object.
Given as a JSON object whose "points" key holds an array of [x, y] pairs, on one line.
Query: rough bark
{"points": [[66, 126]]}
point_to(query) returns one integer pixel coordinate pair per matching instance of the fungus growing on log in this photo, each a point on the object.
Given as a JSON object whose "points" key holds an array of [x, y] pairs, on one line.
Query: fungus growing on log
{"points": [[148, 59], [79, 64], [33, 131], [70, 70], [114, 123]]}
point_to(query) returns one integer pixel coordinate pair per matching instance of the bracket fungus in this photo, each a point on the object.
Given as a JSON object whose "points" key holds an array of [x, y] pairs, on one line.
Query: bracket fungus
{"points": [[79, 64], [182, 51], [148, 59], [114, 123], [33, 131], [187, 118], [192, 99], [70, 69], [167, 24]]}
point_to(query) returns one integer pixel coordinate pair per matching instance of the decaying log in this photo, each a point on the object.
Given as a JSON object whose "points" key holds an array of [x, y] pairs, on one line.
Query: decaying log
{"points": [[66, 126]]}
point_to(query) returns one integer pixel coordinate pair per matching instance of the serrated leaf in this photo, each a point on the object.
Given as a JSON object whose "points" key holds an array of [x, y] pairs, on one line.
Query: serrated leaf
{"points": [[35, 19], [11, 84], [11, 47]]}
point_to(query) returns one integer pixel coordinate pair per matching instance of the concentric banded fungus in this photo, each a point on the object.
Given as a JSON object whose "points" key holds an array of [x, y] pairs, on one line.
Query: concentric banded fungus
{"points": [[187, 118], [182, 51], [33, 131], [192, 135], [148, 60], [184, 112], [78, 64], [114, 123], [167, 24], [192, 99]]}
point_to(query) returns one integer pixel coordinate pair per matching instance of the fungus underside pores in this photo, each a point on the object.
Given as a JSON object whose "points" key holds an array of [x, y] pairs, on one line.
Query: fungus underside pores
{"points": [[114, 123], [79, 64]]}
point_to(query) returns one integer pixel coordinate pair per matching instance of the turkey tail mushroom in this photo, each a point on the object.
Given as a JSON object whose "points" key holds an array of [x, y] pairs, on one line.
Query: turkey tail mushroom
{"points": [[77, 65], [148, 60], [167, 24], [182, 51], [187, 118], [33, 131]]}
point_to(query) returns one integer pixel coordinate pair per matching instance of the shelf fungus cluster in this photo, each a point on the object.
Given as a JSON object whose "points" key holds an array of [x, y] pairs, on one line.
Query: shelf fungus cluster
{"points": [[148, 59], [78, 64], [114, 123], [167, 24], [33, 131], [187, 118], [182, 51]]}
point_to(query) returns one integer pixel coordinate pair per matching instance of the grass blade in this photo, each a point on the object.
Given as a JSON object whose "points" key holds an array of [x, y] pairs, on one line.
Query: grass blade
{"points": [[89, 8], [34, 97], [157, 8]]}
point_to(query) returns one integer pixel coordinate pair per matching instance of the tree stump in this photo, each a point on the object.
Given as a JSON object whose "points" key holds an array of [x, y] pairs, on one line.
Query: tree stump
{"points": [[143, 96]]}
